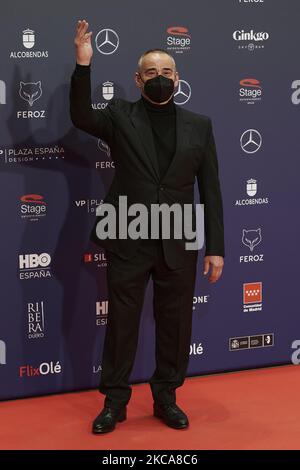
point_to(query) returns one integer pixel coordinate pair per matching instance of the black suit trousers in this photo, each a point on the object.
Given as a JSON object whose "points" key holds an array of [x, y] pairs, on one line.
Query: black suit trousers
{"points": [[173, 291]]}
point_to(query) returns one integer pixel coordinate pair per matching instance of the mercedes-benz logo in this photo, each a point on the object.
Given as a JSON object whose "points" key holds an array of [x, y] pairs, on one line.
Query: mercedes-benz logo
{"points": [[183, 92], [251, 141], [107, 41]]}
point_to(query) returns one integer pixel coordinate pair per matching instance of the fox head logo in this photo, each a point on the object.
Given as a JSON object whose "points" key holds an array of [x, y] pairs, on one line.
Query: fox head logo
{"points": [[30, 91], [251, 238]]}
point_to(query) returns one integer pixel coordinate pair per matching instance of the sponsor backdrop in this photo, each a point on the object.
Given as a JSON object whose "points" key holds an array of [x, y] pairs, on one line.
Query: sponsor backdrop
{"points": [[238, 63]]}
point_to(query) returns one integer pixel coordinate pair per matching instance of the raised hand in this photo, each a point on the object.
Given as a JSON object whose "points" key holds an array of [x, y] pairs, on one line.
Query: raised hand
{"points": [[82, 41]]}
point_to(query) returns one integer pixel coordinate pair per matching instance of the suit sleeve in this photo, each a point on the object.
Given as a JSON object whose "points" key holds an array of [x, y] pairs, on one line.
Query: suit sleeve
{"points": [[93, 121], [211, 197]]}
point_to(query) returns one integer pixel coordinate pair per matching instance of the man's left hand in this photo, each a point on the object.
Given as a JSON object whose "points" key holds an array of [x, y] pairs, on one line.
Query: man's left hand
{"points": [[217, 263]]}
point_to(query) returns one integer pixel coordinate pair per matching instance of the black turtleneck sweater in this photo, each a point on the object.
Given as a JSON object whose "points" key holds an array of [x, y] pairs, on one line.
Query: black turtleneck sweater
{"points": [[163, 123]]}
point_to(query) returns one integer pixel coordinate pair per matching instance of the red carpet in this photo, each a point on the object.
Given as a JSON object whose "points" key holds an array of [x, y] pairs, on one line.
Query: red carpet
{"points": [[257, 409]]}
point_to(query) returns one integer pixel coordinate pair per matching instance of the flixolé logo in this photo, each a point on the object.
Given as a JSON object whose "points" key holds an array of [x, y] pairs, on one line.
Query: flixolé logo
{"points": [[178, 39]]}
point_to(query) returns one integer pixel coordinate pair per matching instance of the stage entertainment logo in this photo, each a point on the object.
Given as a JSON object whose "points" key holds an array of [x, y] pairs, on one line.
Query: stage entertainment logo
{"points": [[250, 91], [33, 207], [178, 39]]}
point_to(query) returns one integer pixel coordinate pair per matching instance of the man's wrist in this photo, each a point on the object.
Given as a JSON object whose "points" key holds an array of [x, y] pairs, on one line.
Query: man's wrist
{"points": [[83, 64], [82, 70]]}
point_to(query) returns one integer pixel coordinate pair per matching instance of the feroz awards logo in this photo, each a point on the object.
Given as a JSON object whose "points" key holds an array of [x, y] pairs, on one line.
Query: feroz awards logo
{"points": [[30, 91], [104, 147], [251, 238], [251, 3]]}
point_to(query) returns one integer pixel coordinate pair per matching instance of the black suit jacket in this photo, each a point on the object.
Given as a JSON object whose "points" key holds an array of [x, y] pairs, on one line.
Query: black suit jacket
{"points": [[126, 128]]}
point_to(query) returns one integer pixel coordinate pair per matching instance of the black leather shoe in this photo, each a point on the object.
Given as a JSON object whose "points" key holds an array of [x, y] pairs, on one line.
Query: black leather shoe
{"points": [[107, 419], [171, 415]]}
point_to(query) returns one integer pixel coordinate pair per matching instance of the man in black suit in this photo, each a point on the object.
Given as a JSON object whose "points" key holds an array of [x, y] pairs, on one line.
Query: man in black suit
{"points": [[159, 149]]}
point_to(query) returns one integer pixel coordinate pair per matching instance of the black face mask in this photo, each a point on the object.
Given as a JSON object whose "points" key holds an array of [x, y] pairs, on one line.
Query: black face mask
{"points": [[159, 88]]}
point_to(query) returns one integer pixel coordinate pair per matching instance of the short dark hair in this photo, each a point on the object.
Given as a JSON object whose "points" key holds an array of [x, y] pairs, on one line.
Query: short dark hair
{"points": [[150, 51]]}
